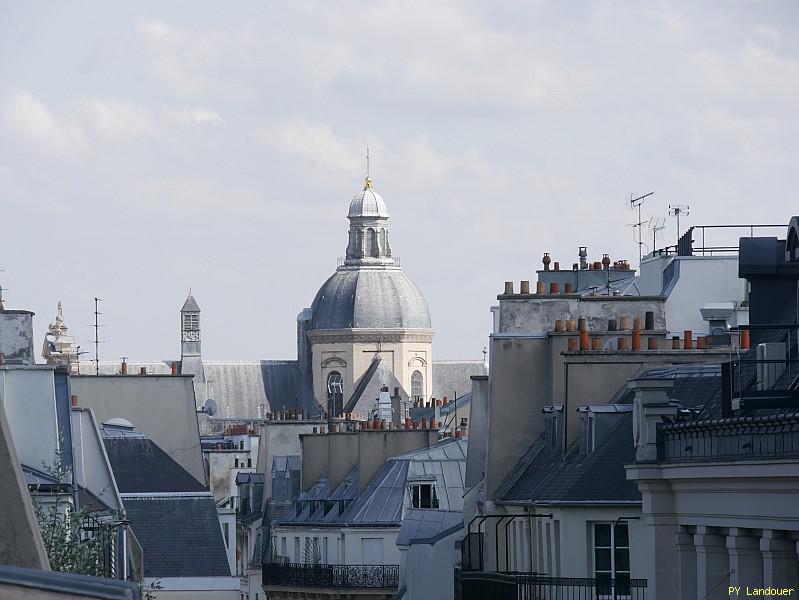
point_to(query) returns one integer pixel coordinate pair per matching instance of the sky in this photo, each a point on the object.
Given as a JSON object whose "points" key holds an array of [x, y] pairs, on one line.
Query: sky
{"points": [[148, 147]]}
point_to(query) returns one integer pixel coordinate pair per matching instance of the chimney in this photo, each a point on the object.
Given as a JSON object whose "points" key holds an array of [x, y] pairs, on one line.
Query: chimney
{"points": [[596, 343], [744, 342], [573, 344], [174, 368], [650, 406], [508, 288], [652, 343], [688, 343], [636, 339], [557, 266], [558, 325], [649, 320], [524, 287], [622, 344], [675, 342], [540, 287], [612, 326], [124, 367], [584, 339], [546, 260], [571, 325]]}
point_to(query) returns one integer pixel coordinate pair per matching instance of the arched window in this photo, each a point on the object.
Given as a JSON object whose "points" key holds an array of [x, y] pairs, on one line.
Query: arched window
{"points": [[383, 243], [417, 385], [335, 394], [371, 243]]}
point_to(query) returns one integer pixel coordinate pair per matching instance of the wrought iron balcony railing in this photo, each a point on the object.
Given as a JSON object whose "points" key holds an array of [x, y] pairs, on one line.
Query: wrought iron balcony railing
{"points": [[476, 585], [330, 576]]}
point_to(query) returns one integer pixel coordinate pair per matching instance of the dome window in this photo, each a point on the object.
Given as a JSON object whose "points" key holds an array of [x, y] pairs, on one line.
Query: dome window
{"points": [[417, 385], [335, 394]]}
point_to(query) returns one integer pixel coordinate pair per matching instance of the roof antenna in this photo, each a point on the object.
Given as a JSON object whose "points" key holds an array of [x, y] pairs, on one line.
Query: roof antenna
{"points": [[636, 203], [675, 210], [367, 182], [656, 224]]}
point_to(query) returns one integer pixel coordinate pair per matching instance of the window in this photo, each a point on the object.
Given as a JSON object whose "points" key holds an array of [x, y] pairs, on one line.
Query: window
{"points": [[226, 533], [417, 385], [335, 394], [283, 546], [423, 495], [191, 322], [372, 551], [612, 560]]}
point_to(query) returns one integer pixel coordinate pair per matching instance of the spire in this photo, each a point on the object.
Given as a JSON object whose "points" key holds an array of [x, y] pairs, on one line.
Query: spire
{"points": [[367, 183]]}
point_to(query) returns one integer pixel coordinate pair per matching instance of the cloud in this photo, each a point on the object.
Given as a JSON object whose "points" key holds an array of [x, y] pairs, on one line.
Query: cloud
{"points": [[189, 116], [50, 134], [87, 125]]}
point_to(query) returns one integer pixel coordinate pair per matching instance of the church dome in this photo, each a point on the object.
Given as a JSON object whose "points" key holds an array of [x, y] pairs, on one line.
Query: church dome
{"points": [[368, 203], [370, 298]]}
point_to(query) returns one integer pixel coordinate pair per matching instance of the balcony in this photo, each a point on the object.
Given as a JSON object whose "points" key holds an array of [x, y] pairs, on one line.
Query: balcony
{"points": [[476, 585], [295, 575]]}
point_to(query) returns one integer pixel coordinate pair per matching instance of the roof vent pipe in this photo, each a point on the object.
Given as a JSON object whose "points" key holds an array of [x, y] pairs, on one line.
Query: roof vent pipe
{"points": [[570, 325], [688, 343], [623, 345], [636, 339], [675, 342], [596, 343], [584, 339], [558, 325], [508, 287], [582, 324], [652, 343]]}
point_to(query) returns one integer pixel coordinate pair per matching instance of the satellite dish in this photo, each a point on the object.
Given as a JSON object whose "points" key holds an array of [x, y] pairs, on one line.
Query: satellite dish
{"points": [[209, 407]]}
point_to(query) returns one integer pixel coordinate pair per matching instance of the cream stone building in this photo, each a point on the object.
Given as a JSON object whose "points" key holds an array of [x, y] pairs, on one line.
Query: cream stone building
{"points": [[369, 315]]}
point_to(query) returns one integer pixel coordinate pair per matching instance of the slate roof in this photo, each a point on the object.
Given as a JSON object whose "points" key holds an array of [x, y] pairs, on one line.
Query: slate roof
{"points": [[140, 466], [542, 478], [67, 585], [190, 305], [180, 535], [427, 526], [370, 297], [384, 499], [600, 477]]}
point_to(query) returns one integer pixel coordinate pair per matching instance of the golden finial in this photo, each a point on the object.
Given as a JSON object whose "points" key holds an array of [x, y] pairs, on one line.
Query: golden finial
{"points": [[367, 184]]}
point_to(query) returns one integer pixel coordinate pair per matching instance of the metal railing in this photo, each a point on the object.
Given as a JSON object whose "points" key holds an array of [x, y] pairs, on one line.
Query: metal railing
{"points": [[685, 245], [330, 576], [731, 438], [530, 586]]}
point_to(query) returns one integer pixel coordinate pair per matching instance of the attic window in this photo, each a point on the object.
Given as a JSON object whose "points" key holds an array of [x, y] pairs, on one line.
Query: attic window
{"points": [[423, 495]]}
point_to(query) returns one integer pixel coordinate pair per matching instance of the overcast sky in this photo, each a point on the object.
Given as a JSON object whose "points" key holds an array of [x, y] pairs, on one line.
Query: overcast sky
{"points": [[149, 147]]}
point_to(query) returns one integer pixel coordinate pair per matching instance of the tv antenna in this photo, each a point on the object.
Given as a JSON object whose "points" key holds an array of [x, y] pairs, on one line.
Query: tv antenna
{"points": [[656, 224], [97, 314], [637, 203], [678, 210]]}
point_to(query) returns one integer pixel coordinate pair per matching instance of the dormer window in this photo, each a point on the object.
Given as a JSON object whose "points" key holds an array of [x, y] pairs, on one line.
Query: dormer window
{"points": [[423, 495]]}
